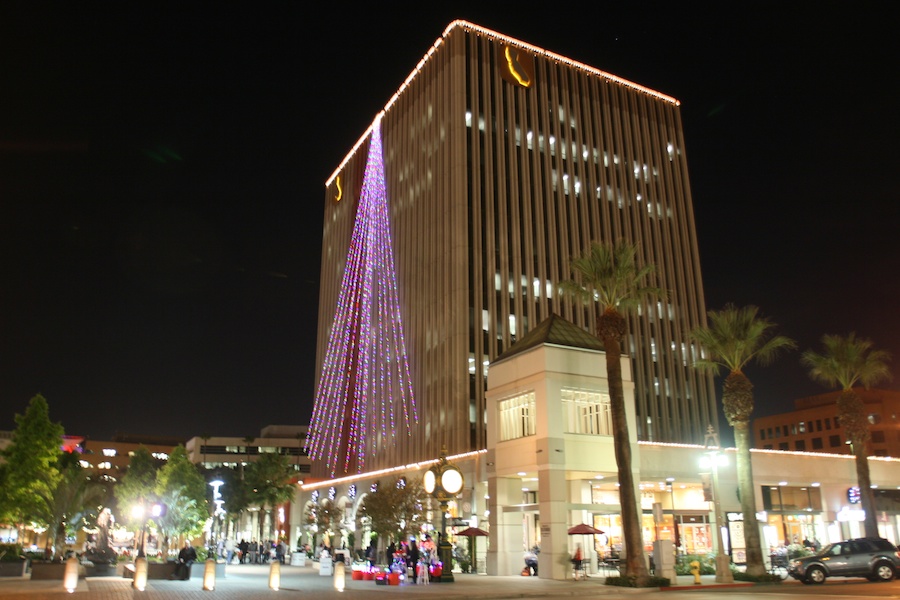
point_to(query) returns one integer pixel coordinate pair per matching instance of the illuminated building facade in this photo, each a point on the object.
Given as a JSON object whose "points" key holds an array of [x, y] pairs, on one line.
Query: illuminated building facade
{"points": [[449, 224]]}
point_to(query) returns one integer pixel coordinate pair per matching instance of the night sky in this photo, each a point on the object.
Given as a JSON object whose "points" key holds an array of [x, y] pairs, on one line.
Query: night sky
{"points": [[162, 170]]}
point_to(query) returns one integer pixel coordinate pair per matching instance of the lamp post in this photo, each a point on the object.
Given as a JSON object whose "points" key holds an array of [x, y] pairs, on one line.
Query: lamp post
{"points": [[217, 499], [676, 537], [713, 459], [444, 481]]}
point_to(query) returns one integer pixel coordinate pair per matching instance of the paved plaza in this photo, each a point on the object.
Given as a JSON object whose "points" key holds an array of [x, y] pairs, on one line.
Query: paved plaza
{"points": [[251, 582]]}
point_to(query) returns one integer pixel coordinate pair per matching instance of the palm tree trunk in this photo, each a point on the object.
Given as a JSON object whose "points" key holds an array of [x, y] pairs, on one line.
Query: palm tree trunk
{"points": [[753, 544], [866, 496], [635, 566]]}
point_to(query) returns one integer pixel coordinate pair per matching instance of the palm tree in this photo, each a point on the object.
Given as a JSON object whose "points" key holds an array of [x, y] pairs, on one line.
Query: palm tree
{"points": [[736, 338], [608, 278], [845, 362]]}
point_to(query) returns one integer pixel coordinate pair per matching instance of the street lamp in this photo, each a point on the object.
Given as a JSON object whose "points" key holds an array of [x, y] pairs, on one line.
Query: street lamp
{"points": [[217, 499], [139, 512], [676, 540], [444, 481], [712, 458]]}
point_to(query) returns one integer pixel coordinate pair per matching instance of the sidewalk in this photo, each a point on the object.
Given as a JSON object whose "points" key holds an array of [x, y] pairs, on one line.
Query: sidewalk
{"points": [[251, 582]]}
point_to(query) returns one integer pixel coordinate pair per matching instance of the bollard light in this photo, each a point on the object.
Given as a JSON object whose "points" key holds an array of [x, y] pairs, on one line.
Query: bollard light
{"points": [[339, 576], [70, 579], [140, 573], [275, 575], [209, 575]]}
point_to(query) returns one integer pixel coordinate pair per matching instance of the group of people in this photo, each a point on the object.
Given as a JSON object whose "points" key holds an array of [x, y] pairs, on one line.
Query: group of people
{"points": [[408, 557], [252, 552]]}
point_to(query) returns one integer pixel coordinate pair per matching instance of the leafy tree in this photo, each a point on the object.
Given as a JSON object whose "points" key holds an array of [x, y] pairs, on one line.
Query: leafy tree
{"points": [[846, 362], [182, 489], [327, 516], [137, 486], [271, 479], [75, 501], [31, 472], [396, 509], [735, 338], [609, 278]]}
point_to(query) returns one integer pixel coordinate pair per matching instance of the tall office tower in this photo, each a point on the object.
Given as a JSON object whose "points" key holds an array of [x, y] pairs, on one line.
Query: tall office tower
{"points": [[449, 225]]}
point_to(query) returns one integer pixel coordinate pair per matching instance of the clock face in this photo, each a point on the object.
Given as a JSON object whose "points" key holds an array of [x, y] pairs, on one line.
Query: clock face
{"points": [[452, 481], [428, 481]]}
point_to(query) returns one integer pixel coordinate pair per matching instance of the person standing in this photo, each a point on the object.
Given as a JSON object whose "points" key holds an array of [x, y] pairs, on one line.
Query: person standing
{"points": [[412, 559]]}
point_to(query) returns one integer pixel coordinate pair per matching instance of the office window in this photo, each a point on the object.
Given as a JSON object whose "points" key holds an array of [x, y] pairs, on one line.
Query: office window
{"points": [[802, 427], [586, 412], [827, 423], [783, 446], [818, 424], [817, 443], [785, 430], [517, 416], [878, 437], [800, 445], [794, 428], [834, 441], [762, 434]]}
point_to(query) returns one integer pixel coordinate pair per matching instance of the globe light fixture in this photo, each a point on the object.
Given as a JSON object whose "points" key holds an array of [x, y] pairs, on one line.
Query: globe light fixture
{"points": [[443, 482]]}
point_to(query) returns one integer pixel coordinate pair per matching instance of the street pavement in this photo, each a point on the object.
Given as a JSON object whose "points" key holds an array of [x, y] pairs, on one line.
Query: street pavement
{"points": [[251, 582]]}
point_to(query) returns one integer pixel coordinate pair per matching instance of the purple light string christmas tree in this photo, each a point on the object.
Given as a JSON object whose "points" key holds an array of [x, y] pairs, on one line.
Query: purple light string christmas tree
{"points": [[365, 386]]}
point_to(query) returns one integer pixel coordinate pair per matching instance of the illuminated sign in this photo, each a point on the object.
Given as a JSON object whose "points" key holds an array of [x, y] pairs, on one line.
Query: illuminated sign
{"points": [[518, 66], [853, 495]]}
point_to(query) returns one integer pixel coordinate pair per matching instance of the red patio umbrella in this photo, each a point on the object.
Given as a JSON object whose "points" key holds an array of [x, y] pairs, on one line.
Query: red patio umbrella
{"points": [[584, 529], [472, 533]]}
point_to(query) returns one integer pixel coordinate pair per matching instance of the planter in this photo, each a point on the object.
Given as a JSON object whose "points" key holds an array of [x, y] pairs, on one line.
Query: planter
{"points": [[154, 570], [393, 578], [199, 568], [368, 575], [99, 569], [49, 570], [13, 568], [357, 575]]}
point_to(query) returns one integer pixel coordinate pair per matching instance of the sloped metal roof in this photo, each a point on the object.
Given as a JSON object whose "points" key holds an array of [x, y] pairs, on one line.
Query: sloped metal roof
{"points": [[557, 331]]}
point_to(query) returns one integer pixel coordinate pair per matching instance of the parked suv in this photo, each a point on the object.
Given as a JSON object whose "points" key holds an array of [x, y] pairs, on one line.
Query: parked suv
{"points": [[876, 559]]}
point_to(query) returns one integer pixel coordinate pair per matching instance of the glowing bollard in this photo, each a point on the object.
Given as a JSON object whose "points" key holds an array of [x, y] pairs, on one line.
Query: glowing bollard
{"points": [[70, 578], [140, 574], [275, 575], [209, 575], [339, 576]]}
